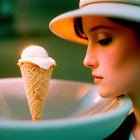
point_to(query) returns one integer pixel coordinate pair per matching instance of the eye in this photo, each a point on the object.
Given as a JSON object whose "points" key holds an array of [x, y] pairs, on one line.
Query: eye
{"points": [[104, 42]]}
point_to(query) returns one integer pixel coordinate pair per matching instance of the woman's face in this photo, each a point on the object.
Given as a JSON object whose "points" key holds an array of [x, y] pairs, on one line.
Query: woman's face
{"points": [[113, 54]]}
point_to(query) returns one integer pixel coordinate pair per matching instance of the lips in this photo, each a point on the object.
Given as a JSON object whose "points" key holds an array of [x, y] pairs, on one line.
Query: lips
{"points": [[97, 78]]}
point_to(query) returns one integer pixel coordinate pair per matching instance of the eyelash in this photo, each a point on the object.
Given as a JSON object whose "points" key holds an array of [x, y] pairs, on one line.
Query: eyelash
{"points": [[104, 42]]}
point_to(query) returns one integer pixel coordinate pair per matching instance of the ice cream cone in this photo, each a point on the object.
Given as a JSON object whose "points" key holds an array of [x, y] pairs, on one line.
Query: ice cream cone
{"points": [[36, 81]]}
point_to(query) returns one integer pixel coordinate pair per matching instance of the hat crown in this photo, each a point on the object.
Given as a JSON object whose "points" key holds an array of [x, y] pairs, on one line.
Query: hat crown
{"points": [[86, 2]]}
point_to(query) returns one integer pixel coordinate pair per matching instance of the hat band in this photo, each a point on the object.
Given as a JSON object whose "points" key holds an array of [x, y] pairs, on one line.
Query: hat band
{"points": [[87, 2]]}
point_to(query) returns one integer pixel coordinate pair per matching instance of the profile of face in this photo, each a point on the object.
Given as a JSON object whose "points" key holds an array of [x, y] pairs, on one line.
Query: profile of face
{"points": [[113, 54]]}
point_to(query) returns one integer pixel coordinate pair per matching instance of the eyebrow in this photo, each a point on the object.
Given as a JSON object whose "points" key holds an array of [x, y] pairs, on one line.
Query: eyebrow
{"points": [[101, 27]]}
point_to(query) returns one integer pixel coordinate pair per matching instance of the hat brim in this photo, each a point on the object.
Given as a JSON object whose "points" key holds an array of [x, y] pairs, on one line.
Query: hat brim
{"points": [[63, 25]]}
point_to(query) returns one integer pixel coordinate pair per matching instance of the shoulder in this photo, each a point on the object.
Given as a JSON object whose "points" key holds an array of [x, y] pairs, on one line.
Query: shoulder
{"points": [[122, 133]]}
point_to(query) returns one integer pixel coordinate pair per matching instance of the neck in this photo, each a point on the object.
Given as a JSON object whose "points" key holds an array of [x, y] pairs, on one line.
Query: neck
{"points": [[135, 97], [136, 106], [136, 128]]}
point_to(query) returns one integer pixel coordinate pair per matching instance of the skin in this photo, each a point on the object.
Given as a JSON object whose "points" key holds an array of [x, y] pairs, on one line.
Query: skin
{"points": [[113, 54]]}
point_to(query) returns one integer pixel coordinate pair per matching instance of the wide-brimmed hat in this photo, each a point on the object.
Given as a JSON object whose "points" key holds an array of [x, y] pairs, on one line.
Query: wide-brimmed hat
{"points": [[63, 25]]}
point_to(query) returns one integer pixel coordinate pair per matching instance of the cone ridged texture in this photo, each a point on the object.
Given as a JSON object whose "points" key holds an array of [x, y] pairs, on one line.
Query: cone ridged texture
{"points": [[36, 81]]}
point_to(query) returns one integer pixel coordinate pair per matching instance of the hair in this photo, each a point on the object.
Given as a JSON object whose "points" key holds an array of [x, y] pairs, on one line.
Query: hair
{"points": [[79, 28], [131, 24]]}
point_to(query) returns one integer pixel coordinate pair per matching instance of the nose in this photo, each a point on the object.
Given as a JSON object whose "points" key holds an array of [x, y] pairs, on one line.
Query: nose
{"points": [[91, 58]]}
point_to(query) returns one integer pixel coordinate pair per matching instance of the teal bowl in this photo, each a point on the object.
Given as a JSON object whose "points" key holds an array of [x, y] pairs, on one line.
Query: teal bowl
{"points": [[72, 111]]}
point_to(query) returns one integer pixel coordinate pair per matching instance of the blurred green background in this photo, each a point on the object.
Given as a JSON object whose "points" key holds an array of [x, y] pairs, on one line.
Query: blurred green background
{"points": [[26, 22]]}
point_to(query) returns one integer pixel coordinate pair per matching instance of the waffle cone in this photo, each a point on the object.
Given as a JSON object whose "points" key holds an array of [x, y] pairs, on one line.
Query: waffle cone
{"points": [[36, 81]]}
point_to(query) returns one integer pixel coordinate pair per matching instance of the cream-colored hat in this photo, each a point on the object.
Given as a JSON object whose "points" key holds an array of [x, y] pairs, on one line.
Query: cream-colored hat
{"points": [[63, 25]]}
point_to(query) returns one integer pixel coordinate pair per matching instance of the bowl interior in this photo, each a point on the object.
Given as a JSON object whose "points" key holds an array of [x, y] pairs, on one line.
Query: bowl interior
{"points": [[65, 99]]}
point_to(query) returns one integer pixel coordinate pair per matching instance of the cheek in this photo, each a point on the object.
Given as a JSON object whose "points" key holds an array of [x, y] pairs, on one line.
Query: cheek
{"points": [[111, 60], [119, 59], [111, 86], [120, 70], [119, 67]]}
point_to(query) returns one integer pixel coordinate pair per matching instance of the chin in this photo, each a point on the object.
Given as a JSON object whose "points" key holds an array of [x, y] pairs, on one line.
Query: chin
{"points": [[104, 95], [103, 92], [109, 93]]}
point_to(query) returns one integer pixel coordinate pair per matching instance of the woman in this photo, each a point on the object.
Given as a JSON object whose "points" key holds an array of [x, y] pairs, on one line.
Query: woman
{"points": [[111, 30]]}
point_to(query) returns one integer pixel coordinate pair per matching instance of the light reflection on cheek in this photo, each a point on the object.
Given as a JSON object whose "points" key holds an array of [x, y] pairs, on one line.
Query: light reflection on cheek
{"points": [[110, 61], [116, 59]]}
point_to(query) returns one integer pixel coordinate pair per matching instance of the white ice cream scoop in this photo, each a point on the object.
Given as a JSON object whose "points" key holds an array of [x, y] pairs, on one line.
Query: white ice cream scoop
{"points": [[34, 51], [37, 55]]}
